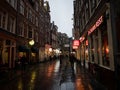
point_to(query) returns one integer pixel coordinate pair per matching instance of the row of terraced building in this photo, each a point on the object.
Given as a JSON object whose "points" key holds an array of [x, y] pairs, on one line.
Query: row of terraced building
{"points": [[97, 27], [23, 21]]}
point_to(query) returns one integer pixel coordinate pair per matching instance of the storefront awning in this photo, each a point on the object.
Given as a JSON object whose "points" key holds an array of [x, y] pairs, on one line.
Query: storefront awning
{"points": [[34, 49], [23, 48]]}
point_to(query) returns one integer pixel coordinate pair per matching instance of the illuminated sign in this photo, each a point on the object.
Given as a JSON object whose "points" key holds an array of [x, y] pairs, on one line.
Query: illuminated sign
{"points": [[82, 39], [76, 43], [75, 47], [97, 24], [86, 42]]}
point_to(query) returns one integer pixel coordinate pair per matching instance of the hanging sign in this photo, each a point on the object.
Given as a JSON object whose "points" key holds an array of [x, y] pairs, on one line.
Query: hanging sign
{"points": [[76, 42], [75, 47]]}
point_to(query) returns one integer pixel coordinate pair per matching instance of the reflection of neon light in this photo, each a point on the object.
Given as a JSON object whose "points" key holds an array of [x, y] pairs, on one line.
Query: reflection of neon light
{"points": [[97, 24]]}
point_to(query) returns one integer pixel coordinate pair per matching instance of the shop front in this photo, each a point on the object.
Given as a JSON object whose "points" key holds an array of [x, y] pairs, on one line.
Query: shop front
{"points": [[84, 52], [7, 53], [101, 62]]}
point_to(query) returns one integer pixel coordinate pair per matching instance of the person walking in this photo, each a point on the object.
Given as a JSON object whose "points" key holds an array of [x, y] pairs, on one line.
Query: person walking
{"points": [[61, 57], [72, 59], [23, 62]]}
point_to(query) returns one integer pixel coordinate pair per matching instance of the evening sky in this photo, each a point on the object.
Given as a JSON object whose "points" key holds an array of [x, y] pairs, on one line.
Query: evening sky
{"points": [[61, 12]]}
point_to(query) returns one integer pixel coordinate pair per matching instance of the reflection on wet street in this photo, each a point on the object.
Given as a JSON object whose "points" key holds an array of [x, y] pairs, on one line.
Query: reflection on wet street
{"points": [[52, 76]]}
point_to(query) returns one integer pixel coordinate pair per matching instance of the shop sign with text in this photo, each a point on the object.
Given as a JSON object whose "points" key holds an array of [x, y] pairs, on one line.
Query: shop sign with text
{"points": [[76, 42], [97, 24]]}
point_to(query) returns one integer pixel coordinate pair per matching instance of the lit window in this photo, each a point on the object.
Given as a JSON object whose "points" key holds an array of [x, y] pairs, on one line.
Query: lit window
{"points": [[105, 49]]}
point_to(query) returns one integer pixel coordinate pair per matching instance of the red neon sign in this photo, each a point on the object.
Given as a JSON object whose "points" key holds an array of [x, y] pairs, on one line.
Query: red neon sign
{"points": [[97, 24], [86, 42], [82, 39], [75, 47], [76, 43]]}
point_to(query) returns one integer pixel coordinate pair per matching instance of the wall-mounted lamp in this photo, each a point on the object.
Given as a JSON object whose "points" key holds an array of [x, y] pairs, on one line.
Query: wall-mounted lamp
{"points": [[31, 42]]}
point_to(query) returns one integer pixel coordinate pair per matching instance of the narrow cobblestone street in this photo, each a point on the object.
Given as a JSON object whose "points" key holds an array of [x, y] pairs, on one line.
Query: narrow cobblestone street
{"points": [[51, 76]]}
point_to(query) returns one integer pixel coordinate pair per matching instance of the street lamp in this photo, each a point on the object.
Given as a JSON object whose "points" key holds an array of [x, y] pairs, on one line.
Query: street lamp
{"points": [[31, 42]]}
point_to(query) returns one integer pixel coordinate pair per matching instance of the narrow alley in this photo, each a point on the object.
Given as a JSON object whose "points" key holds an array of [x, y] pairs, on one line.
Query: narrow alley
{"points": [[51, 76]]}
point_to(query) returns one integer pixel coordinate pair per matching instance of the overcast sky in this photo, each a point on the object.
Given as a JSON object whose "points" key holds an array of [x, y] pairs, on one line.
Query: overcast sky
{"points": [[62, 14]]}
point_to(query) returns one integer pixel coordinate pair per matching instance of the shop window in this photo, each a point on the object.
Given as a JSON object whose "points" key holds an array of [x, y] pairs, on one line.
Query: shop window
{"points": [[92, 49], [97, 51], [105, 49], [6, 55]]}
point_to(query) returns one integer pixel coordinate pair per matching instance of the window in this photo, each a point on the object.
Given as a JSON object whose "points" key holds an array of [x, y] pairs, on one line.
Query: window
{"points": [[3, 17], [36, 36], [21, 29], [30, 33], [22, 7], [13, 3], [79, 5], [92, 49], [36, 20], [36, 7], [40, 2], [30, 15], [93, 4], [11, 24], [8, 42], [87, 12], [33, 19], [27, 12], [105, 48], [98, 1], [83, 20]]}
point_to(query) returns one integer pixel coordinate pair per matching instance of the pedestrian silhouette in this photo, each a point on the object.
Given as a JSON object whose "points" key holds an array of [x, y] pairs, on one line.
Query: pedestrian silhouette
{"points": [[23, 61], [72, 59], [61, 57]]}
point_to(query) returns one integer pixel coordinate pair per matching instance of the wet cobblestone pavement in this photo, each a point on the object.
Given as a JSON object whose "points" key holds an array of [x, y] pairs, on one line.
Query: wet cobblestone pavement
{"points": [[51, 76]]}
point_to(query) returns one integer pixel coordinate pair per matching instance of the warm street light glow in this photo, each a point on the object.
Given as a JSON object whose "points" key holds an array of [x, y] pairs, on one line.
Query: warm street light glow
{"points": [[50, 49], [31, 42]]}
